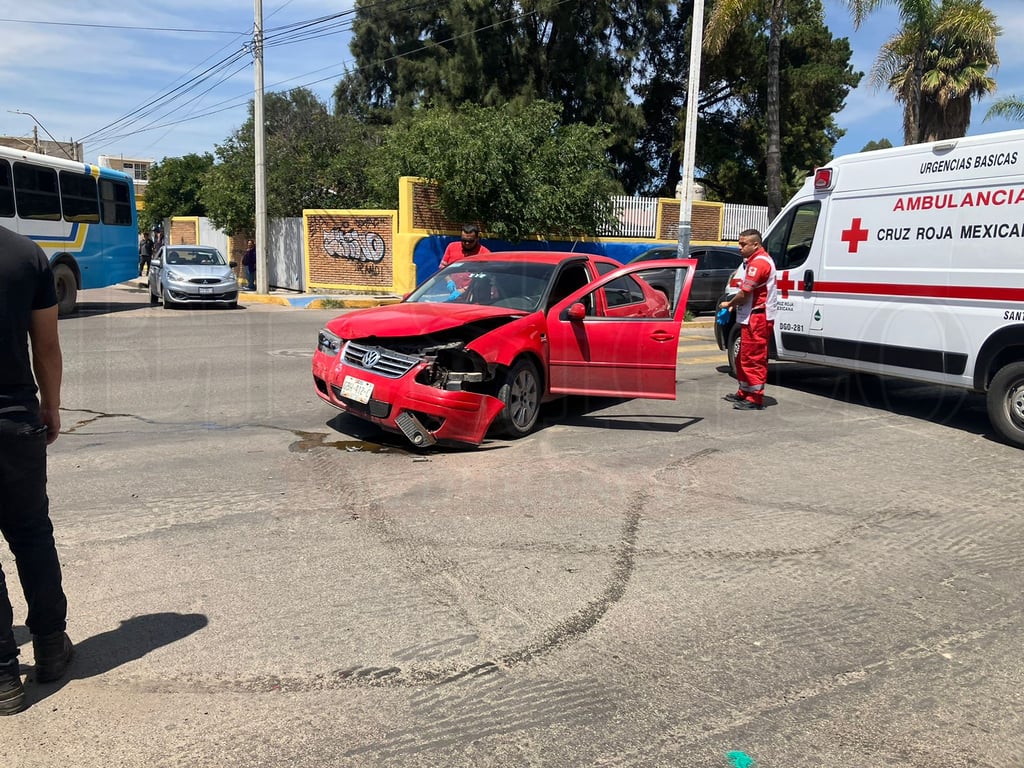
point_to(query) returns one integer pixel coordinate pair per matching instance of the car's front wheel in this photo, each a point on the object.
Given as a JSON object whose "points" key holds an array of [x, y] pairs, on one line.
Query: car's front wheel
{"points": [[168, 303], [521, 393]]}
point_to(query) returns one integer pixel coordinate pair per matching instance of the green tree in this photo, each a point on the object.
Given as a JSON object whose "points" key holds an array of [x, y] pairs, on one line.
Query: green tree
{"points": [[174, 188], [515, 169], [871, 146], [313, 160], [726, 16], [815, 77], [584, 55], [1009, 107], [935, 63]]}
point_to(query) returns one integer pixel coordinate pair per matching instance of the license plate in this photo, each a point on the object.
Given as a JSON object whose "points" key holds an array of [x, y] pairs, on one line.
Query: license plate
{"points": [[206, 290], [357, 389]]}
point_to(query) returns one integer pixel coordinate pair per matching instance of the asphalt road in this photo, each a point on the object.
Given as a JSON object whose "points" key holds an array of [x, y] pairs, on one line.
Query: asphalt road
{"points": [[256, 580]]}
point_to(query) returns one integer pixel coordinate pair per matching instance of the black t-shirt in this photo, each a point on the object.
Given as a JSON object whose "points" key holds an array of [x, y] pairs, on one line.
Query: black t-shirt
{"points": [[26, 284]]}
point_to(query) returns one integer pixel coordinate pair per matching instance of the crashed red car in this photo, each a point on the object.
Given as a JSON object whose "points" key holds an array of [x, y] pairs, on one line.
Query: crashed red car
{"points": [[483, 343]]}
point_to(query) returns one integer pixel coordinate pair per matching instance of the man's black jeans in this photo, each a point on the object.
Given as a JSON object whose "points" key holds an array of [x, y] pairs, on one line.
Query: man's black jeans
{"points": [[25, 524]]}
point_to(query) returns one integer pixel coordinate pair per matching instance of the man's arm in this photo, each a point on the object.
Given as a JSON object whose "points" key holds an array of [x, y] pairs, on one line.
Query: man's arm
{"points": [[48, 366]]}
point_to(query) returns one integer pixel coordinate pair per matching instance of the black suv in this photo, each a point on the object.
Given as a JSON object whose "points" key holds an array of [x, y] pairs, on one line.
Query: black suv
{"points": [[715, 265]]}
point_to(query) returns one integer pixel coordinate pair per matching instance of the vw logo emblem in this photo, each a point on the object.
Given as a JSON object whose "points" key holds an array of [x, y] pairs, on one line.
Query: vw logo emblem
{"points": [[371, 358]]}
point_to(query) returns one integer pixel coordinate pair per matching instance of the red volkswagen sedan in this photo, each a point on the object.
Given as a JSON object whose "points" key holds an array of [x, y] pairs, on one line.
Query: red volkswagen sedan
{"points": [[483, 343]]}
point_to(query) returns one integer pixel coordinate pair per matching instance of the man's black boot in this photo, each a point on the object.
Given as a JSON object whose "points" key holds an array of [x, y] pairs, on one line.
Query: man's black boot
{"points": [[12, 692], [53, 654]]}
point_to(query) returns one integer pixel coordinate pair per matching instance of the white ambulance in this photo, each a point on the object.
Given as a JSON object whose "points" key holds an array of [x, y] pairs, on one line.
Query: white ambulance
{"points": [[909, 262]]}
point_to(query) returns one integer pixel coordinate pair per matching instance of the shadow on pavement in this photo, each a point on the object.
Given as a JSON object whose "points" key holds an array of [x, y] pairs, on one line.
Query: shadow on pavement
{"points": [[101, 653], [948, 406]]}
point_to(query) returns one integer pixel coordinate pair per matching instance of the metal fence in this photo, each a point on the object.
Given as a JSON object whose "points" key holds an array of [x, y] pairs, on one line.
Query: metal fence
{"points": [[740, 217], [638, 217]]}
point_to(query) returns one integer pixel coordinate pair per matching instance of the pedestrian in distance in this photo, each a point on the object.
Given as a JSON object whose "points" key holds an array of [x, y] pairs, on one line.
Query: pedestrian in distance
{"points": [[249, 263], [29, 421], [145, 253], [755, 305], [467, 246]]}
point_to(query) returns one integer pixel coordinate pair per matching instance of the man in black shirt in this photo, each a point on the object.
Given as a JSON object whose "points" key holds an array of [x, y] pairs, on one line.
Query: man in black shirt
{"points": [[28, 310]]}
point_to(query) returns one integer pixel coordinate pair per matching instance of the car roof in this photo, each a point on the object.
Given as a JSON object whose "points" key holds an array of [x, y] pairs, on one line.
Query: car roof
{"points": [[534, 257]]}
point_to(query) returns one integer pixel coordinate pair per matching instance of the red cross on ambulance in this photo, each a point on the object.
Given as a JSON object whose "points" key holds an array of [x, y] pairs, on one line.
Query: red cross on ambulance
{"points": [[855, 235]]}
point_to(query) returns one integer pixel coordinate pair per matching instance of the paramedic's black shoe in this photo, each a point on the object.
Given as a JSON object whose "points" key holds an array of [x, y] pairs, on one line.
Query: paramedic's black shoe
{"points": [[732, 397], [748, 405], [53, 654], [12, 692]]}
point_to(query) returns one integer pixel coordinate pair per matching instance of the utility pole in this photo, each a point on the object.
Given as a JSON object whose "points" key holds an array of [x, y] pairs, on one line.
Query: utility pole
{"points": [[689, 142], [690, 131], [258, 147], [35, 139]]}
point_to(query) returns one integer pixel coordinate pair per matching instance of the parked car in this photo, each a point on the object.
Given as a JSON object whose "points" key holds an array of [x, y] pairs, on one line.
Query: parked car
{"points": [[192, 274], [485, 341], [715, 264]]}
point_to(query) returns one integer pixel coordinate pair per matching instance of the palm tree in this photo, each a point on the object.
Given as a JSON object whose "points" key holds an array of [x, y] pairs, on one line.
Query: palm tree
{"points": [[936, 63], [1010, 107], [726, 16]]}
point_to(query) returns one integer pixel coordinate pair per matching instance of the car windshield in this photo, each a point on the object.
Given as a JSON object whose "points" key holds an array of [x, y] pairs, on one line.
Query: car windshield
{"points": [[512, 284], [195, 257]]}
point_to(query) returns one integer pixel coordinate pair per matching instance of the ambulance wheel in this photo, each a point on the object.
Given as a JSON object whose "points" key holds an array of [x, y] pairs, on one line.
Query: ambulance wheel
{"points": [[1006, 403], [733, 350], [521, 393]]}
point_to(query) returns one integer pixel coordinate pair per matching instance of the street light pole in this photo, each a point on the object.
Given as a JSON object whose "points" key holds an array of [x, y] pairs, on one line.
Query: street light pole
{"points": [[259, 151], [58, 143], [690, 131]]}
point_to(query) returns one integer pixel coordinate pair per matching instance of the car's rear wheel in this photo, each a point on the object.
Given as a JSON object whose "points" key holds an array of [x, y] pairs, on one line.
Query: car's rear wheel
{"points": [[1005, 402], [153, 298], [521, 393], [733, 349]]}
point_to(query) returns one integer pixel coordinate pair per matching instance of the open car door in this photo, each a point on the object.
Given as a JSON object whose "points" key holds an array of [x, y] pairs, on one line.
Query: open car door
{"points": [[592, 353]]}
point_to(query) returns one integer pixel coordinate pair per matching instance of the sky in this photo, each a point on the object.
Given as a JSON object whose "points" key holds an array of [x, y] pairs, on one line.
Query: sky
{"points": [[166, 78]]}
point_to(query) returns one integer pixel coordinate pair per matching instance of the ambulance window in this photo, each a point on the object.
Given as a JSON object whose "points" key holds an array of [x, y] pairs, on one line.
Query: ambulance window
{"points": [[790, 241]]}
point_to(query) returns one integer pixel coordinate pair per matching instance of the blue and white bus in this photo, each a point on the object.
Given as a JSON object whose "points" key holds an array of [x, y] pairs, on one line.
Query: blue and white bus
{"points": [[82, 216]]}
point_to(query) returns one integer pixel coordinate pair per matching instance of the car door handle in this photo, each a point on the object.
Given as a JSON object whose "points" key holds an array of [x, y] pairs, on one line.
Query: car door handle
{"points": [[663, 336]]}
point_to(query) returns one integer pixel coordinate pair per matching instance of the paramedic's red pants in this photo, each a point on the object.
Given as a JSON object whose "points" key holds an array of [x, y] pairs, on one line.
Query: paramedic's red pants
{"points": [[752, 363]]}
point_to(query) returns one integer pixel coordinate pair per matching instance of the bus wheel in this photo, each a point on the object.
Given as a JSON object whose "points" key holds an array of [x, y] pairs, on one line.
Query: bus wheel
{"points": [[1005, 402], [67, 289]]}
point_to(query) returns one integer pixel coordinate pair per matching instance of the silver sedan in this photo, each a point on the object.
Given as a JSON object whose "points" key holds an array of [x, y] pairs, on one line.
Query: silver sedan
{"points": [[192, 274]]}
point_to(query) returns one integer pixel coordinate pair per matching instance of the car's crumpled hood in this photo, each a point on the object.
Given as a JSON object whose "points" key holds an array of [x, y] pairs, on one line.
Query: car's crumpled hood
{"points": [[413, 319]]}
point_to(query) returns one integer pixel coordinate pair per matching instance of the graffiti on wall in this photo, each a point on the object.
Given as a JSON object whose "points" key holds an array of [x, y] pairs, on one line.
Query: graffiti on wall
{"points": [[354, 245]]}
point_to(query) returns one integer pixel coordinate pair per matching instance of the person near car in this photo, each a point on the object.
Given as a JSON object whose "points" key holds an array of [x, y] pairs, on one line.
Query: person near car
{"points": [[29, 421], [145, 253], [755, 305], [466, 247], [249, 262]]}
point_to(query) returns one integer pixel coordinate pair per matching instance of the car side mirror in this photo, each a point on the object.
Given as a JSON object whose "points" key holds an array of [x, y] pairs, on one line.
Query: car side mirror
{"points": [[576, 311], [155, 263], [232, 264]]}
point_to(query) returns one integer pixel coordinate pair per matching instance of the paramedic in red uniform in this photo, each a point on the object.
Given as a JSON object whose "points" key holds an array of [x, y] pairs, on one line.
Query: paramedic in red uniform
{"points": [[755, 312]]}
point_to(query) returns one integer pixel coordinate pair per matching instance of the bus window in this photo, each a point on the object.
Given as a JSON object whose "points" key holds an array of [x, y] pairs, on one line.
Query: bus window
{"points": [[6, 190], [116, 202], [36, 192], [78, 198]]}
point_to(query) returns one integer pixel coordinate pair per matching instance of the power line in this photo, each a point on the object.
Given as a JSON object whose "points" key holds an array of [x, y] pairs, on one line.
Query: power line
{"points": [[85, 25]]}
